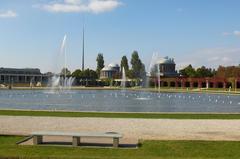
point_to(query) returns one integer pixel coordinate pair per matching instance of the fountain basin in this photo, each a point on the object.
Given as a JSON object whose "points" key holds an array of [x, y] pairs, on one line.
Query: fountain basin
{"points": [[117, 101]]}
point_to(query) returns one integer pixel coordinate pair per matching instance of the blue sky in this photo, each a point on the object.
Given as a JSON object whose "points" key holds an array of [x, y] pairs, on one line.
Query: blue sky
{"points": [[205, 32]]}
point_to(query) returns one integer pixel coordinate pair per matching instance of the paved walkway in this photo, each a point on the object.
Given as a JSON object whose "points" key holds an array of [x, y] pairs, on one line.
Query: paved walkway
{"points": [[156, 129]]}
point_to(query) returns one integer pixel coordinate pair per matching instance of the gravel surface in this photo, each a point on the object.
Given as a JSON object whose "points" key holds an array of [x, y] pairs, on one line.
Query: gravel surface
{"points": [[132, 129]]}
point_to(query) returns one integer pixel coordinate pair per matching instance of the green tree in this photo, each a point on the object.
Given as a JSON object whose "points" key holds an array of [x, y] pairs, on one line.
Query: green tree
{"points": [[77, 73], [93, 74], [100, 63], [129, 74], [188, 71], [201, 72], [65, 71], [138, 68], [89, 74], [204, 72], [124, 63], [143, 71]]}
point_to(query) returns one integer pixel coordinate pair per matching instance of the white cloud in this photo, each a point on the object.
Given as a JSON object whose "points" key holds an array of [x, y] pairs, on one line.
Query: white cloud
{"points": [[75, 6], [212, 57], [72, 1], [236, 32], [8, 14], [64, 8], [99, 6]]}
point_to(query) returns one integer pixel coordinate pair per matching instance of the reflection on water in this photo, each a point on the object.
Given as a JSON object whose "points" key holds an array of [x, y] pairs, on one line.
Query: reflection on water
{"points": [[118, 101]]}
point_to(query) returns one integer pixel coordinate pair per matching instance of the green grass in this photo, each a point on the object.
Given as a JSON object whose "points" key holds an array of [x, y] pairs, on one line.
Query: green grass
{"points": [[148, 150], [120, 115]]}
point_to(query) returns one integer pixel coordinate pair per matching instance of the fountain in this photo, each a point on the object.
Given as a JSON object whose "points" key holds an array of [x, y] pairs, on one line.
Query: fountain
{"points": [[124, 79], [59, 98], [159, 78], [60, 81], [154, 69]]}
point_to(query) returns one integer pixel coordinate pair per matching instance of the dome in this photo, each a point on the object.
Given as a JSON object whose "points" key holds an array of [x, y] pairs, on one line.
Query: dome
{"points": [[166, 60], [113, 65], [107, 68]]}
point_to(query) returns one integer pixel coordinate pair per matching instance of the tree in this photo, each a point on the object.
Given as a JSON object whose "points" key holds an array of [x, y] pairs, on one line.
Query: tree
{"points": [[124, 63], [86, 74], [129, 74], [100, 63], [221, 72], [89, 74], [143, 71], [188, 71], [204, 72], [77, 73], [86, 77], [227, 72], [65, 71], [138, 68], [201, 72], [93, 74]]}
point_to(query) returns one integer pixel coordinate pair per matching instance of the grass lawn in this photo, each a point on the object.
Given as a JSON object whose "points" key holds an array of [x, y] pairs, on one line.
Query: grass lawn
{"points": [[148, 150], [120, 115]]}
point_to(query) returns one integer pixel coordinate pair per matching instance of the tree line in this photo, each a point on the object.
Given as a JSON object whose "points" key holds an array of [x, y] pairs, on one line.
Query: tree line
{"points": [[136, 71], [221, 72]]}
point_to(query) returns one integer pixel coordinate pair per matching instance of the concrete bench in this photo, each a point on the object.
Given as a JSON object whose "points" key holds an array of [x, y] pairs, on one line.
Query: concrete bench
{"points": [[76, 137]]}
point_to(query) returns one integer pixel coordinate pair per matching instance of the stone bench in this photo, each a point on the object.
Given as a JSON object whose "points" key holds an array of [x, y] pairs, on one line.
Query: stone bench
{"points": [[76, 137]]}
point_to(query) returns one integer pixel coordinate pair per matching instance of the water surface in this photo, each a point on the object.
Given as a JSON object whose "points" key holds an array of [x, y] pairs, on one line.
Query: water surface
{"points": [[118, 101]]}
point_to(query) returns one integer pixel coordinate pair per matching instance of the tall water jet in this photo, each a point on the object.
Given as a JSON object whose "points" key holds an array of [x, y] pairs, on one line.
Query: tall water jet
{"points": [[159, 77], [63, 51], [154, 69], [124, 79], [60, 81], [150, 69]]}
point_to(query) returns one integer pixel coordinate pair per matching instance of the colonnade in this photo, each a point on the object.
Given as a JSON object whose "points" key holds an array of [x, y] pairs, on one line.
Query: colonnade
{"points": [[199, 82]]}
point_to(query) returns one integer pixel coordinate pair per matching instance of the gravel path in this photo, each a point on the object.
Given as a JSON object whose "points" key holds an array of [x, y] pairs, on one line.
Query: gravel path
{"points": [[156, 129]]}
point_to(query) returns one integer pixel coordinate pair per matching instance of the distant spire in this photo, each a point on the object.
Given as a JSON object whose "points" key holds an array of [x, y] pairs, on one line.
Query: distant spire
{"points": [[83, 50]]}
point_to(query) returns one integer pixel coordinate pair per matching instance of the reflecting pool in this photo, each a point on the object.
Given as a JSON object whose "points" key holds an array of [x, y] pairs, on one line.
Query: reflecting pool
{"points": [[117, 101]]}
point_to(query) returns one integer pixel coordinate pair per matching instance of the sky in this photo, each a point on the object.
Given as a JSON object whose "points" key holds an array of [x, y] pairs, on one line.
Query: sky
{"points": [[205, 32]]}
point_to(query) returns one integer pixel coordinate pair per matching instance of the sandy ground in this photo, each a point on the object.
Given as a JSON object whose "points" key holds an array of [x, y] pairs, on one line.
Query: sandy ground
{"points": [[132, 129]]}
